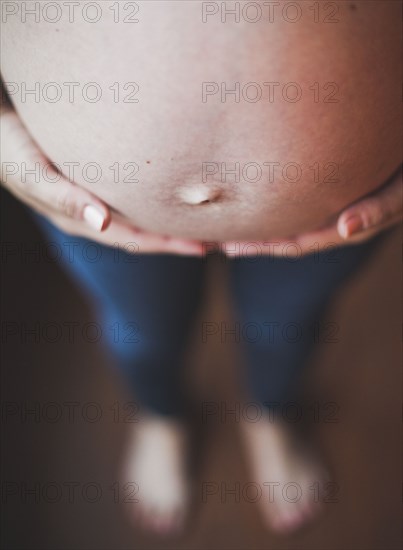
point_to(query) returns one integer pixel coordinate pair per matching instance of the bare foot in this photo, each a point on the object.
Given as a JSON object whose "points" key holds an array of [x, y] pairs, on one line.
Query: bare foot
{"points": [[156, 462], [287, 475]]}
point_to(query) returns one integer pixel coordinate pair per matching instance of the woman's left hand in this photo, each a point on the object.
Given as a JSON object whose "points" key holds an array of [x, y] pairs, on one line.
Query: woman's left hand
{"points": [[357, 223]]}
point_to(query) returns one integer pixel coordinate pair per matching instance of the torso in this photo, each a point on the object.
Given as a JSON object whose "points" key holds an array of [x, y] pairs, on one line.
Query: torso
{"points": [[343, 149]]}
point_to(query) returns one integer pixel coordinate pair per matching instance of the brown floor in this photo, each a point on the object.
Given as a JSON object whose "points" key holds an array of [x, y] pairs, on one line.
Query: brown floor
{"points": [[360, 373]]}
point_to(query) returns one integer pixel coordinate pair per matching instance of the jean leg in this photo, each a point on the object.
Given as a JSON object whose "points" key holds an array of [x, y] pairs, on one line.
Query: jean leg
{"points": [[145, 304], [279, 302]]}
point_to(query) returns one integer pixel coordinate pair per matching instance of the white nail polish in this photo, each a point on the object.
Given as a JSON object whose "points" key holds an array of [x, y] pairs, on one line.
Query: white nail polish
{"points": [[93, 217], [343, 231]]}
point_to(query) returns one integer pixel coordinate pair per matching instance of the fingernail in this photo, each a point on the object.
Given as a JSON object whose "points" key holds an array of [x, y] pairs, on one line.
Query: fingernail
{"points": [[351, 226], [93, 217]]}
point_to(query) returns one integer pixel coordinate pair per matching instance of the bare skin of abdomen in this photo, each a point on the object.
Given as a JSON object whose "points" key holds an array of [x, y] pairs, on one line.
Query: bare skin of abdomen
{"points": [[312, 125]]}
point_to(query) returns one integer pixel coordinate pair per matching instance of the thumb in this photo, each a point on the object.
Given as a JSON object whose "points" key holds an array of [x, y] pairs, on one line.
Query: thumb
{"points": [[374, 211]]}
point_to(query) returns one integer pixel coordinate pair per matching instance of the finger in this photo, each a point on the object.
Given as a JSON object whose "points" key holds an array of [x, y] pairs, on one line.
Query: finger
{"points": [[150, 243], [293, 247], [317, 241], [378, 210], [122, 233], [157, 242], [185, 247], [26, 172], [127, 238]]}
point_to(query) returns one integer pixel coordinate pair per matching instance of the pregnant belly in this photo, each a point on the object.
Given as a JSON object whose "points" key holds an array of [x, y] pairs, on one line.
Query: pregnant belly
{"points": [[209, 130]]}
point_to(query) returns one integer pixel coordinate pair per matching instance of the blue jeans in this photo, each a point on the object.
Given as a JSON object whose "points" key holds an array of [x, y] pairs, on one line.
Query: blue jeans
{"points": [[148, 303]]}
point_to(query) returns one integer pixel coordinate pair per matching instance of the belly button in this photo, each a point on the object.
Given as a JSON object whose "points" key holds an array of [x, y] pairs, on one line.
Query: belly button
{"points": [[198, 195]]}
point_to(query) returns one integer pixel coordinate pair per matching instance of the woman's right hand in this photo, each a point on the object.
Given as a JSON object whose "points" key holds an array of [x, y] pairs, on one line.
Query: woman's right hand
{"points": [[71, 208]]}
